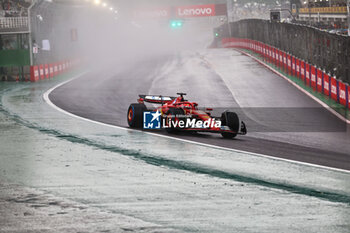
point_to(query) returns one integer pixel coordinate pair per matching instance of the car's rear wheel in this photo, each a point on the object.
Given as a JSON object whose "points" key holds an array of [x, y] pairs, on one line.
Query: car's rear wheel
{"points": [[231, 120], [174, 115], [135, 115]]}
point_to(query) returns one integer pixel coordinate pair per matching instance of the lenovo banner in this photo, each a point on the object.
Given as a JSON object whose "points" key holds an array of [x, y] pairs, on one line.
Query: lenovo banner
{"points": [[281, 59], [342, 94], [319, 80], [334, 89], [41, 72], [51, 70], [285, 63], [195, 11], [293, 66], [307, 74], [313, 77], [297, 67], [34, 73], [289, 64], [302, 70], [348, 96], [47, 71], [326, 84], [273, 55]]}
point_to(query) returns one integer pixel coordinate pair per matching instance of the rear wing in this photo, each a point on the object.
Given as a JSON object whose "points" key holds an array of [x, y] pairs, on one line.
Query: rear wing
{"points": [[156, 99]]}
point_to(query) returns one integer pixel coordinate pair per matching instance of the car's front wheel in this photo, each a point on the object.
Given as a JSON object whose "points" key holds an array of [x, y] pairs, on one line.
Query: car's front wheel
{"points": [[231, 120]]}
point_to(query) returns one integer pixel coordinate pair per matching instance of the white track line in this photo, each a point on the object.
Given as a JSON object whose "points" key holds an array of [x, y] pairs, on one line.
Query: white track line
{"points": [[49, 102], [298, 87]]}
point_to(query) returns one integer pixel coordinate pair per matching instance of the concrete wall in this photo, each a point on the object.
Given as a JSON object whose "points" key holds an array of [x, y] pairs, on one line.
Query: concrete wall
{"points": [[327, 51]]}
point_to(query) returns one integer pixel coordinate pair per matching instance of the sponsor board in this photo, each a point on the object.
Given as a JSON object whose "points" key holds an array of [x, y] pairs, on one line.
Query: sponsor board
{"points": [[195, 11], [326, 84], [313, 77], [302, 70], [297, 67], [51, 71], [342, 93], [348, 96], [319, 80], [41, 72], [34, 73], [334, 89], [307, 74]]}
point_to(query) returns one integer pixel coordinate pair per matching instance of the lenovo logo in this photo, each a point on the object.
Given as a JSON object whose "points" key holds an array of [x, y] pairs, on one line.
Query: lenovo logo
{"points": [[196, 11]]}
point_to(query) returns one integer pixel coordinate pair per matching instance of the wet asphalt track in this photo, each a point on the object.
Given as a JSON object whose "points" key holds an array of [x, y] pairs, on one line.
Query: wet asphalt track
{"points": [[105, 95]]}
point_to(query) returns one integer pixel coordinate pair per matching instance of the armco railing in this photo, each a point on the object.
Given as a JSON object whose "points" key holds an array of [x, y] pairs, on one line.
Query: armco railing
{"points": [[324, 10], [13, 23], [310, 75]]}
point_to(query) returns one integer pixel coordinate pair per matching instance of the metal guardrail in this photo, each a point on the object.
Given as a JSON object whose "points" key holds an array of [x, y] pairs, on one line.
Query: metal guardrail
{"points": [[13, 23], [324, 10]]}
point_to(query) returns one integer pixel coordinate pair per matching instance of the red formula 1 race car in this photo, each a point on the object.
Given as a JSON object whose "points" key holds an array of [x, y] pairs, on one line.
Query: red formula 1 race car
{"points": [[177, 114]]}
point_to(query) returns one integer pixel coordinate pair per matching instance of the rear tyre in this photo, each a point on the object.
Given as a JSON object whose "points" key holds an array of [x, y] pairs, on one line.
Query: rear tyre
{"points": [[135, 115], [231, 120], [173, 115]]}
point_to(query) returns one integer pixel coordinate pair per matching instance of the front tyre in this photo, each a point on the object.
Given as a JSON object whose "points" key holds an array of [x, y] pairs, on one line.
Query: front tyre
{"points": [[231, 120], [135, 115]]}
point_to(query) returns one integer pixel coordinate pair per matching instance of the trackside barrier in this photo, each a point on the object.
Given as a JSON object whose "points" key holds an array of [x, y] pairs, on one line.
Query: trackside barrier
{"points": [[51, 70], [55, 69], [285, 65], [41, 72], [294, 71], [319, 82], [334, 89], [59, 68], [47, 71], [311, 76], [297, 67], [342, 93], [34, 74], [302, 70], [289, 64], [307, 74], [326, 84], [347, 95]]}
